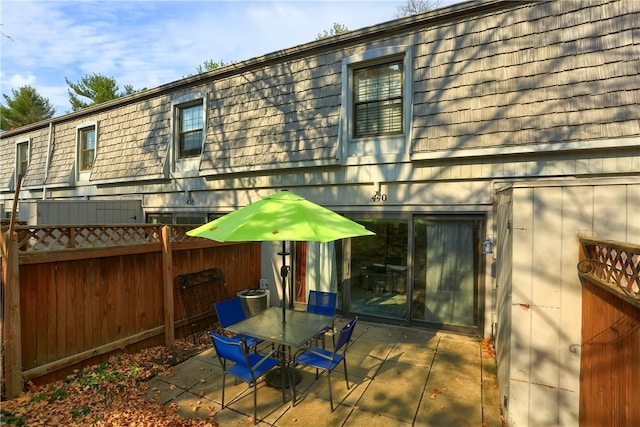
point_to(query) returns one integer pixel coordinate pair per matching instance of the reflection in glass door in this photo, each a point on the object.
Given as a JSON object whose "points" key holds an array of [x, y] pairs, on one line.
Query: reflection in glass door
{"points": [[379, 269]]}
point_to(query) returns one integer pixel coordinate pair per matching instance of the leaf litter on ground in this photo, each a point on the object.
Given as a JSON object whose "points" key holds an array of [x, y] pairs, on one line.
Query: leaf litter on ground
{"points": [[107, 394]]}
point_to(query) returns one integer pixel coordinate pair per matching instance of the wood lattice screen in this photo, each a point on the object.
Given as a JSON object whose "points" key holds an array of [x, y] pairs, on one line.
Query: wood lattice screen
{"points": [[613, 265], [53, 238]]}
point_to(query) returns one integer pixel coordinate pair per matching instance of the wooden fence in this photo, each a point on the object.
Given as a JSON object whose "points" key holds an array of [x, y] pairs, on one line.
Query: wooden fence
{"points": [[610, 361], [73, 293]]}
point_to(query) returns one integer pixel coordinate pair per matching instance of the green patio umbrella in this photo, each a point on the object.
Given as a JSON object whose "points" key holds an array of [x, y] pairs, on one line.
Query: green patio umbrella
{"points": [[281, 216]]}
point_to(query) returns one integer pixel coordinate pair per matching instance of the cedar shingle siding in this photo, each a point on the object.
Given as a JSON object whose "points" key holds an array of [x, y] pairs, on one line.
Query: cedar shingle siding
{"points": [[281, 113], [540, 73], [518, 73]]}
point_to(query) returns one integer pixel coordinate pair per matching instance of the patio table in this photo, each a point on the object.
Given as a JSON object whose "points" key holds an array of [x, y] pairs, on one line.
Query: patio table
{"points": [[299, 328]]}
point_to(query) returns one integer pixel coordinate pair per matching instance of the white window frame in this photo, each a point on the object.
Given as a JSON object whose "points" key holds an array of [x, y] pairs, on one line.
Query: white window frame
{"points": [[20, 143], [382, 148], [85, 174], [186, 166]]}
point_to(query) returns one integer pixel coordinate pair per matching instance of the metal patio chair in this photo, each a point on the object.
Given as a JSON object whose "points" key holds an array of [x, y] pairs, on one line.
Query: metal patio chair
{"points": [[325, 360], [230, 312], [324, 303], [247, 366]]}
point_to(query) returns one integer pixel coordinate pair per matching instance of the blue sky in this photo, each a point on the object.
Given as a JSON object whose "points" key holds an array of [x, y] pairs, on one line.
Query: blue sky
{"points": [[147, 43]]}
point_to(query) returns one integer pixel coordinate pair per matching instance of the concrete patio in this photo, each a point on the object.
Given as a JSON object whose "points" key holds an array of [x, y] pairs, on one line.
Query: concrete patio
{"points": [[399, 376]]}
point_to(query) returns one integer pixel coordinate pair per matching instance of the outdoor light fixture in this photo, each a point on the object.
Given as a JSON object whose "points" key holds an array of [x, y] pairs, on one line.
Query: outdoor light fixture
{"points": [[189, 196], [487, 246]]}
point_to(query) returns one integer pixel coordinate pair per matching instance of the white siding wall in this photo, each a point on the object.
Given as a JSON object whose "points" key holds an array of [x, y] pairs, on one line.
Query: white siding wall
{"points": [[544, 317], [59, 212]]}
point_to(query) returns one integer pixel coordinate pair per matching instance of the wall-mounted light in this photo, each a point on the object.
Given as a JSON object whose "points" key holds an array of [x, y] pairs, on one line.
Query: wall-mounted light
{"points": [[487, 246], [189, 196], [377, 187]]}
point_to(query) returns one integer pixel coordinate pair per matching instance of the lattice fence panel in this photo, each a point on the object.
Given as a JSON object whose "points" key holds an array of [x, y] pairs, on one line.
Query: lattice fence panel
{"points": [[613, 264], [37, 239]]}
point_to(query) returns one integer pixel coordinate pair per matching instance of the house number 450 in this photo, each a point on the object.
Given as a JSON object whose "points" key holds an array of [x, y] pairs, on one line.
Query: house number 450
{"points": [[378, 197]]}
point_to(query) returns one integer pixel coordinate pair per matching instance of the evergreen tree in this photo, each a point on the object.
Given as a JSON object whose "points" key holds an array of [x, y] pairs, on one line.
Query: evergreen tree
{"points": [[27, 106], [96, 88], [210, 65], [334, 31]]}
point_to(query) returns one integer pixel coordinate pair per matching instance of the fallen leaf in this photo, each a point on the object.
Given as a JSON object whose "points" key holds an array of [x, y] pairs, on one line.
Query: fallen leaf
{"points": [[109, 394], [435, 393]]}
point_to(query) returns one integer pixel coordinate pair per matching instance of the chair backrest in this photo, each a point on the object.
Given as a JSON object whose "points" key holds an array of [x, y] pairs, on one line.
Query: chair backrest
{"points": [[345, 334], [322, 303], [230, 312], [230, 349]]}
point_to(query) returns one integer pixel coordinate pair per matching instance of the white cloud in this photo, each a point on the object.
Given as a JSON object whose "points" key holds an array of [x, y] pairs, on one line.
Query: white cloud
{"points": [[18, 80], [150, 43]]}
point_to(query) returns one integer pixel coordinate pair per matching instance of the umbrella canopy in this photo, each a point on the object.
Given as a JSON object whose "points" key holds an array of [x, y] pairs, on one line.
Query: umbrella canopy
{"points": [[280, 216]]}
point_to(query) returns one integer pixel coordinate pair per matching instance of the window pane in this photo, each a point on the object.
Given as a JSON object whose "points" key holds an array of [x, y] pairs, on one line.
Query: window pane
{"points": [[191, 118], [445, 288], [87, 160], [191, 143], [379, 118], [89, 139], [378, 103], [196, 220], [23, 158], [379, 269], [382, 82], [191, 131], [87, 148], [160, 218]]}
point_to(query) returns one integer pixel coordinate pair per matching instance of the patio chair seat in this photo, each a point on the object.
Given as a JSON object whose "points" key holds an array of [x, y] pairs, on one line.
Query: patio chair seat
{"points": [[253, 369], [320, 359]]}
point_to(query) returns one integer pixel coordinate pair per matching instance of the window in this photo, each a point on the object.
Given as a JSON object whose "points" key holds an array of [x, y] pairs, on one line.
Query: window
{"points": [[86, 147], [195, 218], [160, 218], [377, 89], [22, 158], [377, 100], [190, 130]]}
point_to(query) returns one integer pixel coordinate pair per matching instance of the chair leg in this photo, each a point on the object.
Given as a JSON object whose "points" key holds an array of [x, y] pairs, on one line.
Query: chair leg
{"points": [[330, 393], [346, 377], [223, 381], [255, 402]]}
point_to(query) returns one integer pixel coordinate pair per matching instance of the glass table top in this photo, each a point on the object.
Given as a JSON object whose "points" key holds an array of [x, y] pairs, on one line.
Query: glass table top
{"points": [[299, 327]]}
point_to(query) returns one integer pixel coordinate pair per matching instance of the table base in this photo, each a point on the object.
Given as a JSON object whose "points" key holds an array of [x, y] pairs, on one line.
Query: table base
{"points": [[274, 377]]}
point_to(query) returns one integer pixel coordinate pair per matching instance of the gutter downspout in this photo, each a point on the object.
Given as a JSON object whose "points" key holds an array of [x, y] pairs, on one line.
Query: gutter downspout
{"points": [[46, 166]]}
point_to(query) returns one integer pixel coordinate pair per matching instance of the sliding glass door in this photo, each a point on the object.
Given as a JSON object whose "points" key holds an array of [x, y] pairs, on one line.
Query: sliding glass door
{"points": [[417, 269]]}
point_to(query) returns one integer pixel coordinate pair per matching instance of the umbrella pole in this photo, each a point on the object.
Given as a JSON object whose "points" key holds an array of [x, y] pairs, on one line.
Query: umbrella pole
{"points": [[284, 271]]}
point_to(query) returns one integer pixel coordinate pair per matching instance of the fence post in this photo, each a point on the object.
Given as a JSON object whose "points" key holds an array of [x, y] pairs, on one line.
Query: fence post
{"points": [[167, 275], [12, 326]]}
